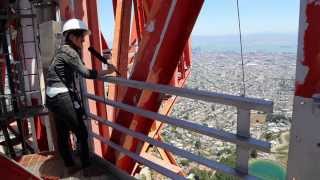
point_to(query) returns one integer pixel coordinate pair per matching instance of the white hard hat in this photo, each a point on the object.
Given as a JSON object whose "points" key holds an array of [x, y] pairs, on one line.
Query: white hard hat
{"points": [[75, 24]]}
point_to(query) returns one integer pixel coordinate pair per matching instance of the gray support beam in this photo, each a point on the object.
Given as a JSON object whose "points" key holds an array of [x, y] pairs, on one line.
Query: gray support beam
{"points": [[212, 132], [179, 152], [138, 158], [231, 100], [243, 130]]}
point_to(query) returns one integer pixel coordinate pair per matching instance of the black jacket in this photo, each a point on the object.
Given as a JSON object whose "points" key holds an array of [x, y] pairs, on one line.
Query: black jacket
{"points": [[65, 64]]}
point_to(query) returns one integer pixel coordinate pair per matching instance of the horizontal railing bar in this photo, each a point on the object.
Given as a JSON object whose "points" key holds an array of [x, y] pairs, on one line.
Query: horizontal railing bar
{"points": [[32, 74], [209, 163], [27, 42], [23, 9], [238, 101], [140, 159], [212, 132], [26, 26], [19, 94]]}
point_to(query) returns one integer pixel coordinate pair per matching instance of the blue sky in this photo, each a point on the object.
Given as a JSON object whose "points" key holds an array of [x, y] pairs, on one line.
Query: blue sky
{"points": [[219, 17]]}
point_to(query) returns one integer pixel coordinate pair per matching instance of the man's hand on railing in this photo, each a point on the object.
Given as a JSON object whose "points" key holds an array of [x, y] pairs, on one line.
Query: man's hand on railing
{"points": [[110, 70], [107, 56]]}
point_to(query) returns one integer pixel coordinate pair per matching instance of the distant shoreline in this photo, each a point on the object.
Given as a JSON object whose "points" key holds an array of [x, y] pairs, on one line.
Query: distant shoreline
{"points": [[269, 43]]}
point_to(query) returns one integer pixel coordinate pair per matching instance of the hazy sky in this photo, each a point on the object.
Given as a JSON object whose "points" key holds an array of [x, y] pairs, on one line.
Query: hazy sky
{"points": [[219, 17]]}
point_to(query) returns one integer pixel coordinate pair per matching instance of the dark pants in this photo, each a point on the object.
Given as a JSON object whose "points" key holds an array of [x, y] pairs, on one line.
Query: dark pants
{"points": [[67, 118]]}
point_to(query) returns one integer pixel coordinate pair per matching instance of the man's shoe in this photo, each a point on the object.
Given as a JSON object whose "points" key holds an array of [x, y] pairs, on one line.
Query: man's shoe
{"points": [[72, 169], [86, 172]]}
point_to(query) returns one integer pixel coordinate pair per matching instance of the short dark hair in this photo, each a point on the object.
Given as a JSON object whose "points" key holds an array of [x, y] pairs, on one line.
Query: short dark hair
{"points": [[77, 33]]}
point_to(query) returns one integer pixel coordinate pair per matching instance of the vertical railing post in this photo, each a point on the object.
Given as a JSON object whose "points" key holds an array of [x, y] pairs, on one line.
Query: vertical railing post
{"points": [[85, 104], [243, 131], [34, 136], [46, 121]]}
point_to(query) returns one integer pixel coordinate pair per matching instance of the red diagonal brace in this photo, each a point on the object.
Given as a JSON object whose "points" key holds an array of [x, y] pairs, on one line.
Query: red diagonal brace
{"points": [[166, 35]]}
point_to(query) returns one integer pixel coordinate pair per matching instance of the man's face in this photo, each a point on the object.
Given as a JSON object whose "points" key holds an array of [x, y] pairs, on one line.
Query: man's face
{"points": [[77, 40]]}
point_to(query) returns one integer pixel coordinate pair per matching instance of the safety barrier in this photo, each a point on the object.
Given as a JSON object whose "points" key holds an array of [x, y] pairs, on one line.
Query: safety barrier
{"points": [[244, 143]]}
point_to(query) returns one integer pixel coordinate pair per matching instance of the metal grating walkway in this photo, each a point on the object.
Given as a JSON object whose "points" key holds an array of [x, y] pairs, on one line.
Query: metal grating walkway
{"points": [[49, 166]]}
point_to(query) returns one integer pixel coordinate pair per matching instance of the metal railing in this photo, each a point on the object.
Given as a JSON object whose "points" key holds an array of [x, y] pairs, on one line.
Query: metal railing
{"points": [[242, 138]]}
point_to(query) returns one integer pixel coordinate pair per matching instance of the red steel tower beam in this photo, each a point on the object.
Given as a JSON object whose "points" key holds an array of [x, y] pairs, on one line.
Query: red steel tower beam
{"points": [[142, 60], [12, 170], [168, 22], [179, 79], [304, 159], [120, 50], [95, 41]]}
